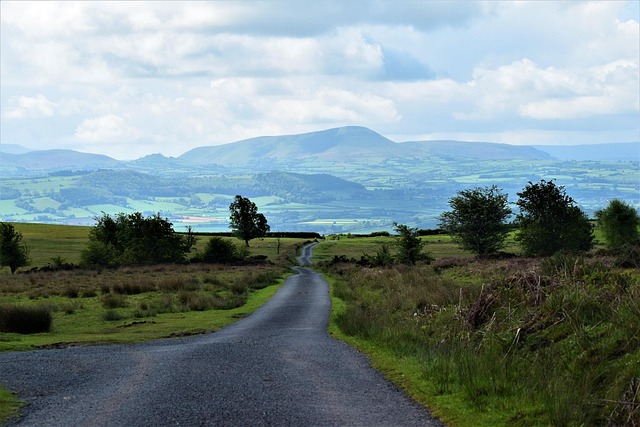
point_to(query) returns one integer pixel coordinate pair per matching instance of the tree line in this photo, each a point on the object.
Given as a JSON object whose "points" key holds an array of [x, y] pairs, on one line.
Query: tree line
{"points": [[548, 221]]}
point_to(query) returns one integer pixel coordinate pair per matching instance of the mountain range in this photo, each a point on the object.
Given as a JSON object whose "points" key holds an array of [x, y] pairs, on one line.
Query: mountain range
{"points": [[345, 145], [348, 179]]}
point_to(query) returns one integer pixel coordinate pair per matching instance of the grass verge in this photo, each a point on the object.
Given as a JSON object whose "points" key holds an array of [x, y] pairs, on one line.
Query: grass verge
{"points": [[504, 342], [132, 305]]}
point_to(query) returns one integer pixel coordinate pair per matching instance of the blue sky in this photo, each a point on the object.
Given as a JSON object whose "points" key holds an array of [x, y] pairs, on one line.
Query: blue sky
{"points": [[128, 79]]}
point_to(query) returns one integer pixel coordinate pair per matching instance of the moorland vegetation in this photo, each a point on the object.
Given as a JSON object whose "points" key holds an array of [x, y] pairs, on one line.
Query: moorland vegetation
{"points": [[551, 337], [501, 337]]}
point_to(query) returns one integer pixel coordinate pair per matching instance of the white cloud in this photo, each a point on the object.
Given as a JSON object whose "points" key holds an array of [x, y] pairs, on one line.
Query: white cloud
{"points": [[103, 129], [182, 74], [24, 106]]}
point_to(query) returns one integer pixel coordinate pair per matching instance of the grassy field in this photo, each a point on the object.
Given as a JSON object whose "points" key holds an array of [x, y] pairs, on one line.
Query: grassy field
{"points": [[48, 241], [492, 342], [519, 342]]}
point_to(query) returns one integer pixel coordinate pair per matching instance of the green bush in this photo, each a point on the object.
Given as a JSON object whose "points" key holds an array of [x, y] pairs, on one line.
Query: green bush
{"points": [[222, 251], [111, 316], [25, 319], [114, 301]]}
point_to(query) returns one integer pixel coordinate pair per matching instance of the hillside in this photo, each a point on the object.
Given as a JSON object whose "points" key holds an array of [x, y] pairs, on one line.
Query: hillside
{"points": [[340, 144], [349, 179], [49, 160]]}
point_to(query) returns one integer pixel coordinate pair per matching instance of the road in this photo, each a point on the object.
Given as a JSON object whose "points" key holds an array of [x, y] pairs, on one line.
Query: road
{"points": [[277, 367]]}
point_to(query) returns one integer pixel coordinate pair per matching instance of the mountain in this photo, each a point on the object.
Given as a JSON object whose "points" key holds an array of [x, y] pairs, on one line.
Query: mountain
{"points": [[336, 145], [620, 152], [13, 149], [55, 160], [477, 150]]}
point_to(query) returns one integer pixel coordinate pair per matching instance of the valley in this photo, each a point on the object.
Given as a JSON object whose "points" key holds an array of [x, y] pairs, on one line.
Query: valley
{"points": [[345, 180]]}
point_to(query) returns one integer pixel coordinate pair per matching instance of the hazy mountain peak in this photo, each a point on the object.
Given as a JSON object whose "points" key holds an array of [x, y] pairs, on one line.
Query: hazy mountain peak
{"points": [[13, 149]]}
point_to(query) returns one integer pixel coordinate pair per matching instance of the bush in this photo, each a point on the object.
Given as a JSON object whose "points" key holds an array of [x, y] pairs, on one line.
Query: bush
{"points": [[619, 222], [25, 319], [113, 301], [220, 250], [71, 291], [111, 316]]}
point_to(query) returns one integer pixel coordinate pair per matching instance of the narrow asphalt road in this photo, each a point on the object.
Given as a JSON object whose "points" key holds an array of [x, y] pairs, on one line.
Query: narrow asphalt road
{"points": [[276, 367]]}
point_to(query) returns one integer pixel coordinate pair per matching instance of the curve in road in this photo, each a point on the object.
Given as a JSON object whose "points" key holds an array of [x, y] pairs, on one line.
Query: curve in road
{"points": [[275, 367]]}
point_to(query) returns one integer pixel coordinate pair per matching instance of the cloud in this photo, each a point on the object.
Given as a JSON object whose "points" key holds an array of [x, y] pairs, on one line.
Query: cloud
{"points": [[524, 89], [182, 74], [111, 128], [24, 106]]}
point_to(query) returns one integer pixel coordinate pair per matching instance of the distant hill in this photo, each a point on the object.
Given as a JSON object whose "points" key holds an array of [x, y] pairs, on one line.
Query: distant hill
{"points": [[624, 152], [477, 150], [350, 144], [53, 160], [13, 149], [339, 145], [350, 148]]}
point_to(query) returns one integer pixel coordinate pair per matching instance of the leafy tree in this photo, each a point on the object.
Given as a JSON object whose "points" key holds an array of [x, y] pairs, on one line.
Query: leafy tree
{"points": [[549, 221], [477, 220], [410, 245], [619, 222], [13, 253], [245, 221], [129, 239]]}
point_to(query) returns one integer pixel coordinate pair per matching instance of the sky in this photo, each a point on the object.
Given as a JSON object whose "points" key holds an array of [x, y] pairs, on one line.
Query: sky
{"points": [[128, 79]]}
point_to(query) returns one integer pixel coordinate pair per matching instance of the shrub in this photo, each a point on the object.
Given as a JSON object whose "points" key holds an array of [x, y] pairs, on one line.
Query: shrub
{"points": [[112, 315], [114, 301], [220, 250], [260, 279], [172, 284], [89, 293], [71, 291], [619, 222], [134, 288], [25, 319]]}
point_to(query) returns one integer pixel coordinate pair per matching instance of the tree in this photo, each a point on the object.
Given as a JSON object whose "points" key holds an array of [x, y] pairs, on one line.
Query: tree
{"points": [[245, 221], [410, 245], [619, 222], [477, 220], [130, 239], [549, 221], [13, 253]]}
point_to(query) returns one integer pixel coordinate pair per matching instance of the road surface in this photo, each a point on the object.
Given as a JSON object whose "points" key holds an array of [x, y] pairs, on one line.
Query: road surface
{"points": [[277, 367]]}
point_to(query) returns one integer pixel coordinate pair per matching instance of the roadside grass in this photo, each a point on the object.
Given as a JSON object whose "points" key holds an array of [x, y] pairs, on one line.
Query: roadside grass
{"points": [[133, 304], [130, 304], [501, 342], [9, 404]]}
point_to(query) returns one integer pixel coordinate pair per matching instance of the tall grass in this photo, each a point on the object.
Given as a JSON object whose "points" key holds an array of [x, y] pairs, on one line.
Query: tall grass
{"points": [[25, 319], [562, 335]]}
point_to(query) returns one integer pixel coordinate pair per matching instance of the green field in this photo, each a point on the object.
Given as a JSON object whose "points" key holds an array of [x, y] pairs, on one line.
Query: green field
{"points": [[417, 324], [406, 191]]}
